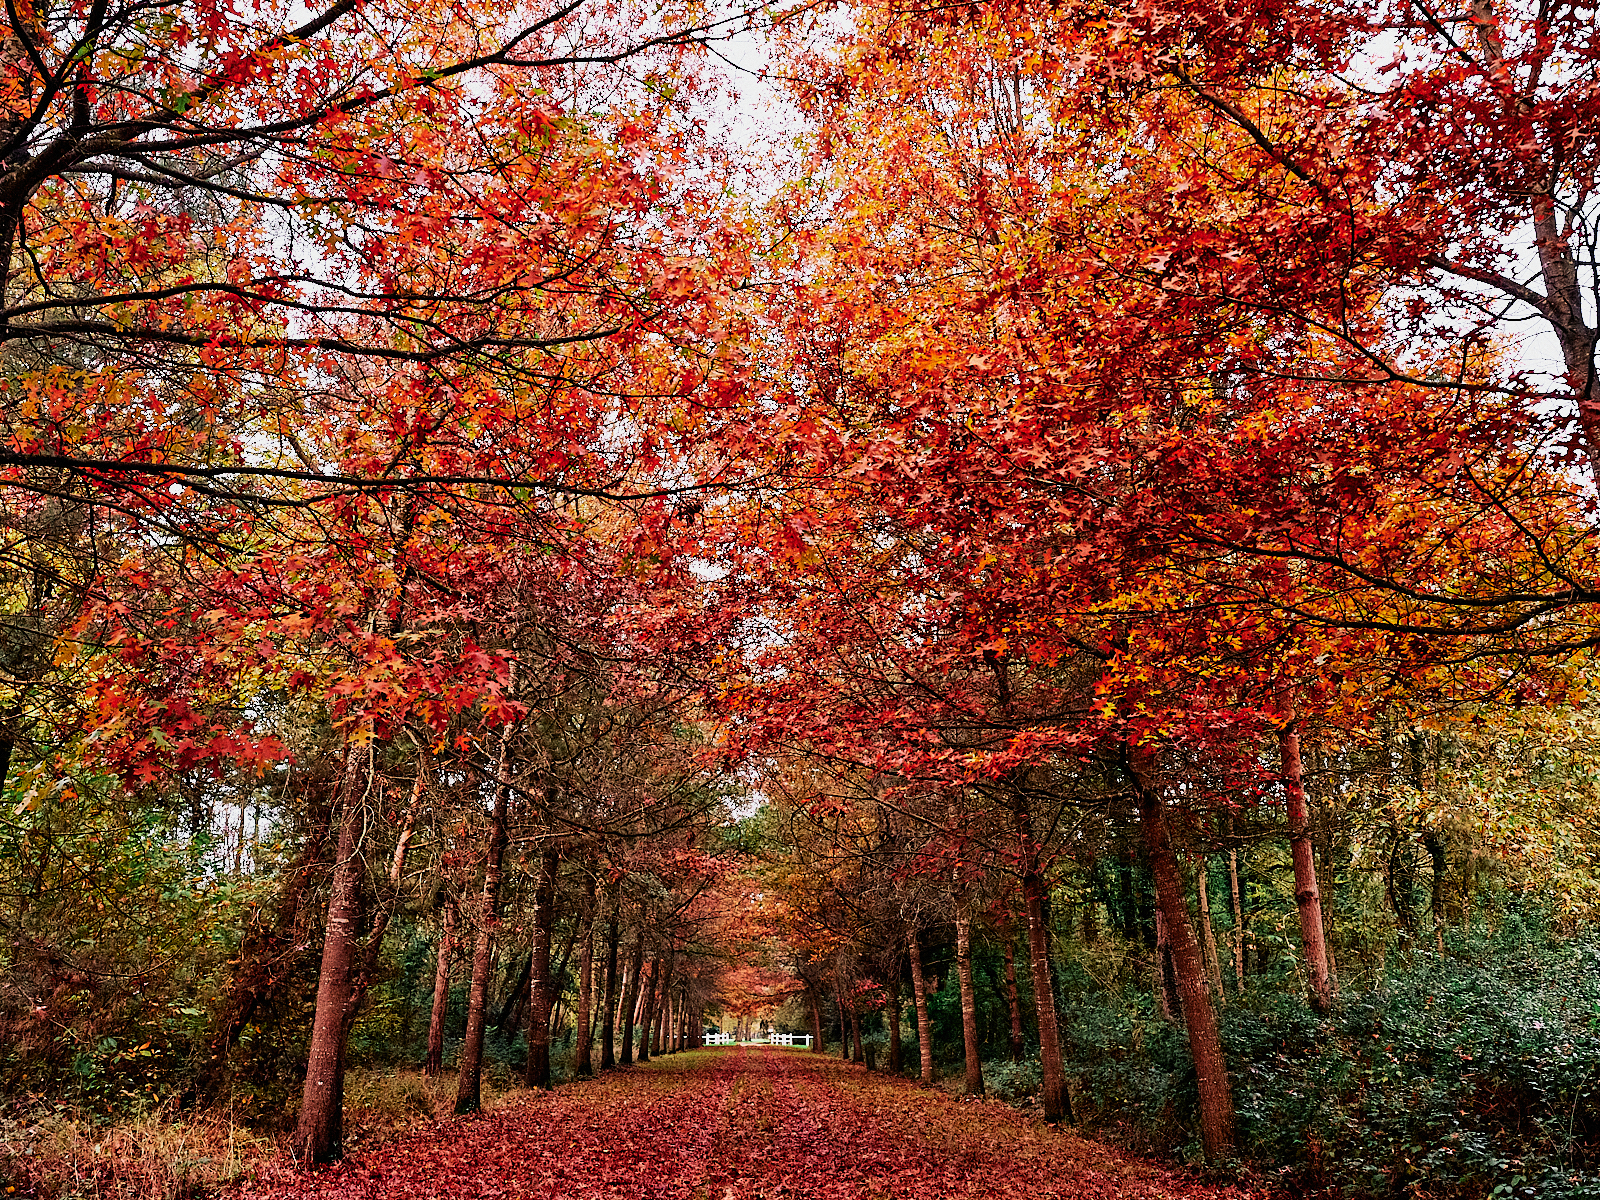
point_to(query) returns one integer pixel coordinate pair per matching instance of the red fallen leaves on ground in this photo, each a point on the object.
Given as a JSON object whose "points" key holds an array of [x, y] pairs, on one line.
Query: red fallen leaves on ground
{"points": [[738, 1124]]}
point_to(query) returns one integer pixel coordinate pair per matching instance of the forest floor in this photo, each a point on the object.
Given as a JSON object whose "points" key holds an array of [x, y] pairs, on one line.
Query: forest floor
{"points": [[737, 1123]]}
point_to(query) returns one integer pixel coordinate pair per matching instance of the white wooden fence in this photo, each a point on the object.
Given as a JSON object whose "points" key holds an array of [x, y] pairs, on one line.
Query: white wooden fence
{"points": [[764, 1039]]}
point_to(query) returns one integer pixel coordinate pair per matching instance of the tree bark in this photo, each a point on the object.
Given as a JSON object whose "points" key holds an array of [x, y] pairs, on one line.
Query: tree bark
{"points": [[583, 1061], [608, 1027], [469, 1072], [516, 1004], [1166, 984], [1438, 863], [838, 1001], [664, 999], [919, 999], [1237, 934], [536, 1070], [434, 1064], [1052, 1071], [816, 1022], [1199, 1013], [631, 999], [1203, 892], [649, 1020], [856, 1055], [319, 1134], [1307, 896], [1012, 1000], [894, 1021], [969, 1000]]}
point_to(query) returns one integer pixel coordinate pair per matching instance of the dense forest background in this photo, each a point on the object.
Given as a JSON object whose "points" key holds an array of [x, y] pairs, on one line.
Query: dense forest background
{"points": [[1060, 562]]}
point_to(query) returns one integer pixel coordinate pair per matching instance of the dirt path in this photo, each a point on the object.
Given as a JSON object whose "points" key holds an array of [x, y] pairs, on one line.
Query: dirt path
{"points": [[739, 1123]]}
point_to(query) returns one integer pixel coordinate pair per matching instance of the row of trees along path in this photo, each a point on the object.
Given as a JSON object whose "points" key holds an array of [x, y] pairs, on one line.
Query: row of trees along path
{"points": [[737, 1123], [1096, 450]]}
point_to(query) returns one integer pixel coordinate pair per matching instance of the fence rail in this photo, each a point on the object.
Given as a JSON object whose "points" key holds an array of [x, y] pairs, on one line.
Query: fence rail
{"points": [[764, 1039]]}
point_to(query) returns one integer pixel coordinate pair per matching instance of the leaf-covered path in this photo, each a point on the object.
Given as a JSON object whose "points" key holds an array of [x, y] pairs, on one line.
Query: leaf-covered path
{"points": [[743, 1123]]}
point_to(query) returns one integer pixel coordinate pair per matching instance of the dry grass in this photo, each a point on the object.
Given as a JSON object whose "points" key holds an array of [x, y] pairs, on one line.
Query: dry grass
{"points": [[161, 1155], [155, 1156]]}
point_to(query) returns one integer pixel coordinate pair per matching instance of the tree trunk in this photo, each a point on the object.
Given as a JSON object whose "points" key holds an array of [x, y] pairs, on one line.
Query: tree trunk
{"points": [[664, 999], [1234, 894], [1012, 1000], [1199, 1013], [1128, 921], [1438, 863], [434, 1064], [969, 1001], [608, 1027], [469, 1073], [583, 1061], [1052, 1072], [631, 999], [319, 1135], [919, 1000], [894, 1021], [1307, 897], [536, 1071], [844, 1025], [856, 1055], [516, 1004], [1203, 891], [649, 1020], [816, 1022], [1166, 983]]}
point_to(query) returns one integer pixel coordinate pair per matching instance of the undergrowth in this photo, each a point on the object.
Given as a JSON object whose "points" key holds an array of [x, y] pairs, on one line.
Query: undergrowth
{"points": [[54, 1152], [1467, 1075]]}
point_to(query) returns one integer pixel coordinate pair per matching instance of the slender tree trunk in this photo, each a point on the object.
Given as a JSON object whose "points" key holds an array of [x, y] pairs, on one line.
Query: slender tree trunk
{"points": [[536, 1070], [894, 1022], [649, 1020], [583, 1061], [1052, 1071], [844, 1025], [1128, 922], [919, 999], [856, 1056], [608, 1028], [1307, 896], [1203, 891], [515, 1007], [558, 1007], [469, 1073], [319, 1135], [1012, 1000], [1438, 863], [816, 1022], [441, 993], [664, 999], [630, 1001], [969, 1000], [1199, 1013], [1237, 934]]}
